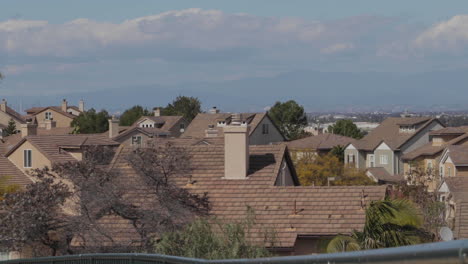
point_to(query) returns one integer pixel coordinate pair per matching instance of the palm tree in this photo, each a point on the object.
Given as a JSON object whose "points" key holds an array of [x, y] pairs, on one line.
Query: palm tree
{"points": [[389, 223]]}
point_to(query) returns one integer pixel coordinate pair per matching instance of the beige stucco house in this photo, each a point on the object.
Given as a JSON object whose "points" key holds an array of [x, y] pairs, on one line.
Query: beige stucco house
{"points": [[147, 128], [6, 114], [263, 131], [63, 115], [385, 146]]}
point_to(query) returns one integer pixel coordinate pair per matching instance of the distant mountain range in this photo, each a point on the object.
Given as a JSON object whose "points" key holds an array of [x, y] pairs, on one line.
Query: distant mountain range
{"points": [[317, 91]]}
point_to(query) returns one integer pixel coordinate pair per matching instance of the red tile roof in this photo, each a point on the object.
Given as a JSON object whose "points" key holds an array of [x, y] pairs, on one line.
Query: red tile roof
{"points": [[320, 211], [13, 174]]}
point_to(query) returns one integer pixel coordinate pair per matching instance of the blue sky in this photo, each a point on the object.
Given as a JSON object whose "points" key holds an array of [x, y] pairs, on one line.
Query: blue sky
{"points": [[239, 55]]}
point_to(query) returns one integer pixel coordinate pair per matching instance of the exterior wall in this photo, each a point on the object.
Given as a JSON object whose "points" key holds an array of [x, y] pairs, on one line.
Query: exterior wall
{"points": [[440, 140], [73, 112], [462, 171], [39, 161], [5, 118], [258, 138], [390, 159], [310, 245], [59, 118], [127, 140], [449, 165], [284, 177], [175, 130]]}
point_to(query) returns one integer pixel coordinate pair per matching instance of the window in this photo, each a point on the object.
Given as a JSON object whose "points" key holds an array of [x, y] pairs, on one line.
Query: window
{"points": [[441, 171], [449, 171], [136, 140], [371, 161], [48, 115], [27, 158], [265, 129], [383, 159], [429, 165], [182, 127], [350, 158]]}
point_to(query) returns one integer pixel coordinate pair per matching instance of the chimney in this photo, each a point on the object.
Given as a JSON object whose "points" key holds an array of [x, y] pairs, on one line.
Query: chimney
{"points": [[157, 111], [236, 151], [3, 105], [81, 105], [28, 129], [64, 105], [113, 127], [213, 110], [49, 124]]}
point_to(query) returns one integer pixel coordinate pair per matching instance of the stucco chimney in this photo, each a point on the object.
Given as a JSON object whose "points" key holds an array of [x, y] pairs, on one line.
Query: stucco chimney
{"points": [[64, 105], [157, 111], [49, 124], [28, 129], [3, 105], [213, 110], [113, 127], [236, 151], [81, 105]]}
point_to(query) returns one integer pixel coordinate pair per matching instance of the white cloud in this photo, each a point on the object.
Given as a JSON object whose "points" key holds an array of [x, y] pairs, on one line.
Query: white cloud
{"points": [[449, 36]]}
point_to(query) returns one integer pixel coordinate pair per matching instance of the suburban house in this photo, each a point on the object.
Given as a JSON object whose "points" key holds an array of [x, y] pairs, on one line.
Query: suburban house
{"points": [[147, 128], [263, 131], [62, 115], [236, 175], [320, 144], [6, 114], [34, 151], [454, 193], [425, 159], [385, 146]]}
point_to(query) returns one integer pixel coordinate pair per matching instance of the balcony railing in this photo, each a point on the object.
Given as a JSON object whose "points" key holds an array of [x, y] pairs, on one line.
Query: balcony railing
{"points": [[444, 252]]}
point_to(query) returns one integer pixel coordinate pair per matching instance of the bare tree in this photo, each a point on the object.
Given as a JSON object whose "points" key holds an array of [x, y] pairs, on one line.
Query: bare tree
{"points": [[68, 209]]}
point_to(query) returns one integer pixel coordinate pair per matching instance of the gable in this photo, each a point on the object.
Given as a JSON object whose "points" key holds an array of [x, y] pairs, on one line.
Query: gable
{"points": [[383, 146], [350, 147], [444, 188]]}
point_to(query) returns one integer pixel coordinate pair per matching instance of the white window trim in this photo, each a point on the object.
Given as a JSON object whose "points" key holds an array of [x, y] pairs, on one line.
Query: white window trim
{"points": [[133, 141], [24, 158], [383, 159]]}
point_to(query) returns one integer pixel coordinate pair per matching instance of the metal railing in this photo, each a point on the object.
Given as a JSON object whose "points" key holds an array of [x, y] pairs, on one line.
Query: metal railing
{"points": [[444, 252]]}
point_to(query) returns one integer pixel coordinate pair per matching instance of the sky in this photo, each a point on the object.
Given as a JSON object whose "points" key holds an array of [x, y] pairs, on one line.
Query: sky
{"points": [[238, 55]]}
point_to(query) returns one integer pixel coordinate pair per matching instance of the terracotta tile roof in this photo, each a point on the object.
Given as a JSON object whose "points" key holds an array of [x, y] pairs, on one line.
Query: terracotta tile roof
{"points": [[13, 174], [382, 175], [15, 114], [167, 122], [320, 211], [458, 188], [202, 121], [461, 220], [458, 154], [52, 146], [7, 143], [389, 132], [324, 141]]}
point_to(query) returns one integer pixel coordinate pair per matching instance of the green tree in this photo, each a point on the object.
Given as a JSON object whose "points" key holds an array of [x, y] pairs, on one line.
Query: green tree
{"points": [[211, 239], [346, 127], [290, 117], [11, 128], [6, 188], [316, 169], [338, 151], [91, 122], [131, 115], [185, 106], [389, 223]]}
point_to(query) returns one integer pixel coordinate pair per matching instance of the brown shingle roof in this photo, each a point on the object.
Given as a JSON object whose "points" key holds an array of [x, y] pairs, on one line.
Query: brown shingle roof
{"points": [[458, 154], [324, 141], [13, 174], [202, 121], [55, 108], [320, 211], [382, 175], [167, 122], [52, 145], [389, 132], [450, 131], [15, 114], [458, 187], [7, 143]]}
